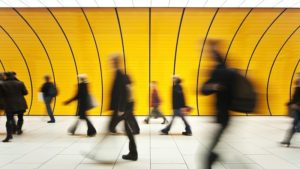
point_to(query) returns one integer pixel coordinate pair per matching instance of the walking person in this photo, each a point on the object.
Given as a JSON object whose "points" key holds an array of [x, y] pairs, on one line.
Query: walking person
{"points": [[155, 103], [13, 92], [49, 91], [294, 107], [179, 107], [84, 104], [219, 83], [116, 98]]}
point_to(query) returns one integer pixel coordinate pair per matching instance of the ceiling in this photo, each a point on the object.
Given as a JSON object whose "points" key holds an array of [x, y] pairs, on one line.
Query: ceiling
{"points": [[152, 3]]}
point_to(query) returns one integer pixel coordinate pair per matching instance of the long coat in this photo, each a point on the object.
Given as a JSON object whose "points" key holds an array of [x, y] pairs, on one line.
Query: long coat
{"points": [[13, 93], [118, 94]]}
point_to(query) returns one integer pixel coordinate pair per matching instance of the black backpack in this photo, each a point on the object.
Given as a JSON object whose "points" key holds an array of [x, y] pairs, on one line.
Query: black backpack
{"points": [[53, 91], [243, 94]]}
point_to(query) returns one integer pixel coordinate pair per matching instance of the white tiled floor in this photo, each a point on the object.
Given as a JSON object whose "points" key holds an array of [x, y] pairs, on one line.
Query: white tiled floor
{"points": [[249, 143]]}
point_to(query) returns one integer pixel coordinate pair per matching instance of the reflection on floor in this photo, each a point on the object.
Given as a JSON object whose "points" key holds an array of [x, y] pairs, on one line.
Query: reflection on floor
{"points": [[250, 143]]}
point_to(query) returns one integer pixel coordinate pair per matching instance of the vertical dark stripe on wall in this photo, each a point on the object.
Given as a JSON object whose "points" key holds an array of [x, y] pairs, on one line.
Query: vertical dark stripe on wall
{"points": [[44, 47], [28, 70], [292, 78], [69, 44], [261, 37], [149, 60], [98, 55], [200, 59], [121, 34], [236, 32], [178, 36], [2, 65], [271, 70]]}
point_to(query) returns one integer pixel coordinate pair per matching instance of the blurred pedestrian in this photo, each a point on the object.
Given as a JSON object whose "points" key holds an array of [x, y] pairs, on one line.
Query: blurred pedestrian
{"points": [[116, 99], [49, 91], [179, 107], [219, 83], [155, 103], [13, 92], [294, 108], [85, 103]]}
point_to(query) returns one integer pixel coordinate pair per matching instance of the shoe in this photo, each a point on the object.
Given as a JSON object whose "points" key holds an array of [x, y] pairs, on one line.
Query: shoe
{"points": [[51, 121], [113, 131], [19, 132], [285, 143], [164, 131], [186, 133], [72, 132], [146, 121], [212, 158], [7, 139], [165, 122], [131, 157], [91, 135]]}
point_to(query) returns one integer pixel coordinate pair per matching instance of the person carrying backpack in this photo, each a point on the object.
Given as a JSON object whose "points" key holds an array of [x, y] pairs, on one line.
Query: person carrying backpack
{"points": [[49, 91], [219, 83]]}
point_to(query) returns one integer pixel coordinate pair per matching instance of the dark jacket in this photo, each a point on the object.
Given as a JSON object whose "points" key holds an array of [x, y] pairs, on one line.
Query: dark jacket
{"points": [[222, 76], [178, 97], [48, 89], [296, 96], [155, 101], [13, 93], [118, 94], [83, 98]]}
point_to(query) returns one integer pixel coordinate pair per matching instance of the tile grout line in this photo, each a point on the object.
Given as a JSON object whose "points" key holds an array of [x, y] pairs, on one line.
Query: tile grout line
{"points": [[57, 154], [180, 152], [29, 151], [119, 154]]}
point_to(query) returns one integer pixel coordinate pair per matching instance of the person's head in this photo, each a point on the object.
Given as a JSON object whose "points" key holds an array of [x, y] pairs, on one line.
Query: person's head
{"points": [[214, 46], [115, 60], [153, 84], [47, 78], [82, 78], [176, 79]]}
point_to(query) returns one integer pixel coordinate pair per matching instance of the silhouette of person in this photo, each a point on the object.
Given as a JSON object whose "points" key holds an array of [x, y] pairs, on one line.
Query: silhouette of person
{"points": [[84, 104], [49, 92]]}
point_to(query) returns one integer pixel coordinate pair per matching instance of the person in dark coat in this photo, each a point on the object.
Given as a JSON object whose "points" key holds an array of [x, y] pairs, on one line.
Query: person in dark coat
{"points": [[178, 102], [219, 83], [84, 104], [116, 102], [2, 79], [294, 106], [13, 92], [155, 103], [49, 92]]}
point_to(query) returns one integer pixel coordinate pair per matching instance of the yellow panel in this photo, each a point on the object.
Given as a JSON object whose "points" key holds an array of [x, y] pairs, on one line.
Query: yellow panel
{"points": [[280, 77], [164, 29], [107, 33], [60, 55], [33, 53], [81, 40], [248, 37], [225, 25], [264, 56], [135, 30], [195, 22], [164, 35]]}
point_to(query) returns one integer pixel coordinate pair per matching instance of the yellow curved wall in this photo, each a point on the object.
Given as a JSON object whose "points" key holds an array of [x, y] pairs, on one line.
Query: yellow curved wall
{"points": [[62, 42]]}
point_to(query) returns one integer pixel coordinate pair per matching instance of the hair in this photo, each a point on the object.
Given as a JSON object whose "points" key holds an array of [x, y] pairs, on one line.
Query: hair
{"points": [[82, 78], [47, 77]]}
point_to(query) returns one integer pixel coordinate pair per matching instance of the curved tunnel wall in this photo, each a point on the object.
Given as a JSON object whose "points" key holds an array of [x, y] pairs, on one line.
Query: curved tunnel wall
{"points": [[156, 43]]}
